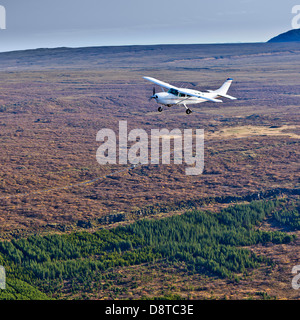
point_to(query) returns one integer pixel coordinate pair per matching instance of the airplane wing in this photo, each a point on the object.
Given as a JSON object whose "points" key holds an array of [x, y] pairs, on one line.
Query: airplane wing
{"points": [[160, 83]]}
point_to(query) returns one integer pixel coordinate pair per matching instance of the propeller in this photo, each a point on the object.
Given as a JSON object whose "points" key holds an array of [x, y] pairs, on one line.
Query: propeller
{"points": [[154, 96]]}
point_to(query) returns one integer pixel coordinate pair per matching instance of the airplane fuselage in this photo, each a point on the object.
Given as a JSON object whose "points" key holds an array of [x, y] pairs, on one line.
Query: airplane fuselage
{"points": [[173, 97]]}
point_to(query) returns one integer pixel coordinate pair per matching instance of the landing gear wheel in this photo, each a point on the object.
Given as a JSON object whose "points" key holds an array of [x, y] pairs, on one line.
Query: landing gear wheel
{"points": [[160, 109], [188, 111]]}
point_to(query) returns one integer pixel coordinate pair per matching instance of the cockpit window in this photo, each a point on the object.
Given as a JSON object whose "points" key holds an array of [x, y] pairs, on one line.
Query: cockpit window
{"points": [[173, 91]]}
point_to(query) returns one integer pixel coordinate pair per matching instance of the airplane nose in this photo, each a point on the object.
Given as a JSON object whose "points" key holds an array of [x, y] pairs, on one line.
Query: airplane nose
{"points": [[154, 97]]}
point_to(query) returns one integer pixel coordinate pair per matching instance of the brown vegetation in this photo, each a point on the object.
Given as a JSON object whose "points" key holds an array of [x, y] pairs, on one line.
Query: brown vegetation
{"points": [[50, 118], [53, 102]]}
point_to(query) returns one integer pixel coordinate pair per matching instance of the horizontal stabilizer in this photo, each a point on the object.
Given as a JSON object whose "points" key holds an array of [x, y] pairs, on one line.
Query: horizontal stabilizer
{"points": [[227, 96], [211, 99]]}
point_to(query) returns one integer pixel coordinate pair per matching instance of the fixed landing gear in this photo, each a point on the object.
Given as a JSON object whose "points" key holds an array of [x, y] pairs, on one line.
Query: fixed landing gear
{"points": [[160, 109], [188, 111]]}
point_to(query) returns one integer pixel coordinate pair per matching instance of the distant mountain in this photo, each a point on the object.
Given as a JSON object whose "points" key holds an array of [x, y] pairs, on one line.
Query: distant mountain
{"points": [[289, 36]]}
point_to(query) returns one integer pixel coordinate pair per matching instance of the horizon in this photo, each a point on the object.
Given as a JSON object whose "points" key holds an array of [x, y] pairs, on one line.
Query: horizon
{"points": [[135, 45]]}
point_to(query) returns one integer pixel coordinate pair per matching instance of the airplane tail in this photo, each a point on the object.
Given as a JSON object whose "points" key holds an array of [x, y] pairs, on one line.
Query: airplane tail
{"points": [[222, 91]]}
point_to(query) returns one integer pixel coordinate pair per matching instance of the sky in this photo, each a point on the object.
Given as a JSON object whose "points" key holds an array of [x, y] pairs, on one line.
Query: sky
{"points": [[34, 24]]}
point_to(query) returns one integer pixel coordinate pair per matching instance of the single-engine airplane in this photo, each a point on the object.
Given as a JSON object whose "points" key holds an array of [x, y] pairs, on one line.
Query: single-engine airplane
{"points": [[178, 96]]}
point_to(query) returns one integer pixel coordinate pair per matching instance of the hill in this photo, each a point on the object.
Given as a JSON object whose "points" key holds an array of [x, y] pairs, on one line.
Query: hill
{"points": [[289, 36], [194, 57]]}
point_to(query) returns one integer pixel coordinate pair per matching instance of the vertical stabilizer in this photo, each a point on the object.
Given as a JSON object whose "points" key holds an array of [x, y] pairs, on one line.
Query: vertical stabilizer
{"points": [[222, 91]]}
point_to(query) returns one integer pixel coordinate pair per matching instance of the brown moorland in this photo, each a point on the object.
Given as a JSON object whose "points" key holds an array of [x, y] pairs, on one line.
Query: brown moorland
{"points": [[54, 101]]}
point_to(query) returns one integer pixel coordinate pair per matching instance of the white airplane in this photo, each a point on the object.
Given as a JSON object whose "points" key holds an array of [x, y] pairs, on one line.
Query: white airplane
{"points": [[178, 96]]}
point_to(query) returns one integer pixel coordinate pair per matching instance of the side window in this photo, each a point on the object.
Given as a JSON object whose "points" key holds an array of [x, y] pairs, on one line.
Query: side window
{"points": [[173, 91]]}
